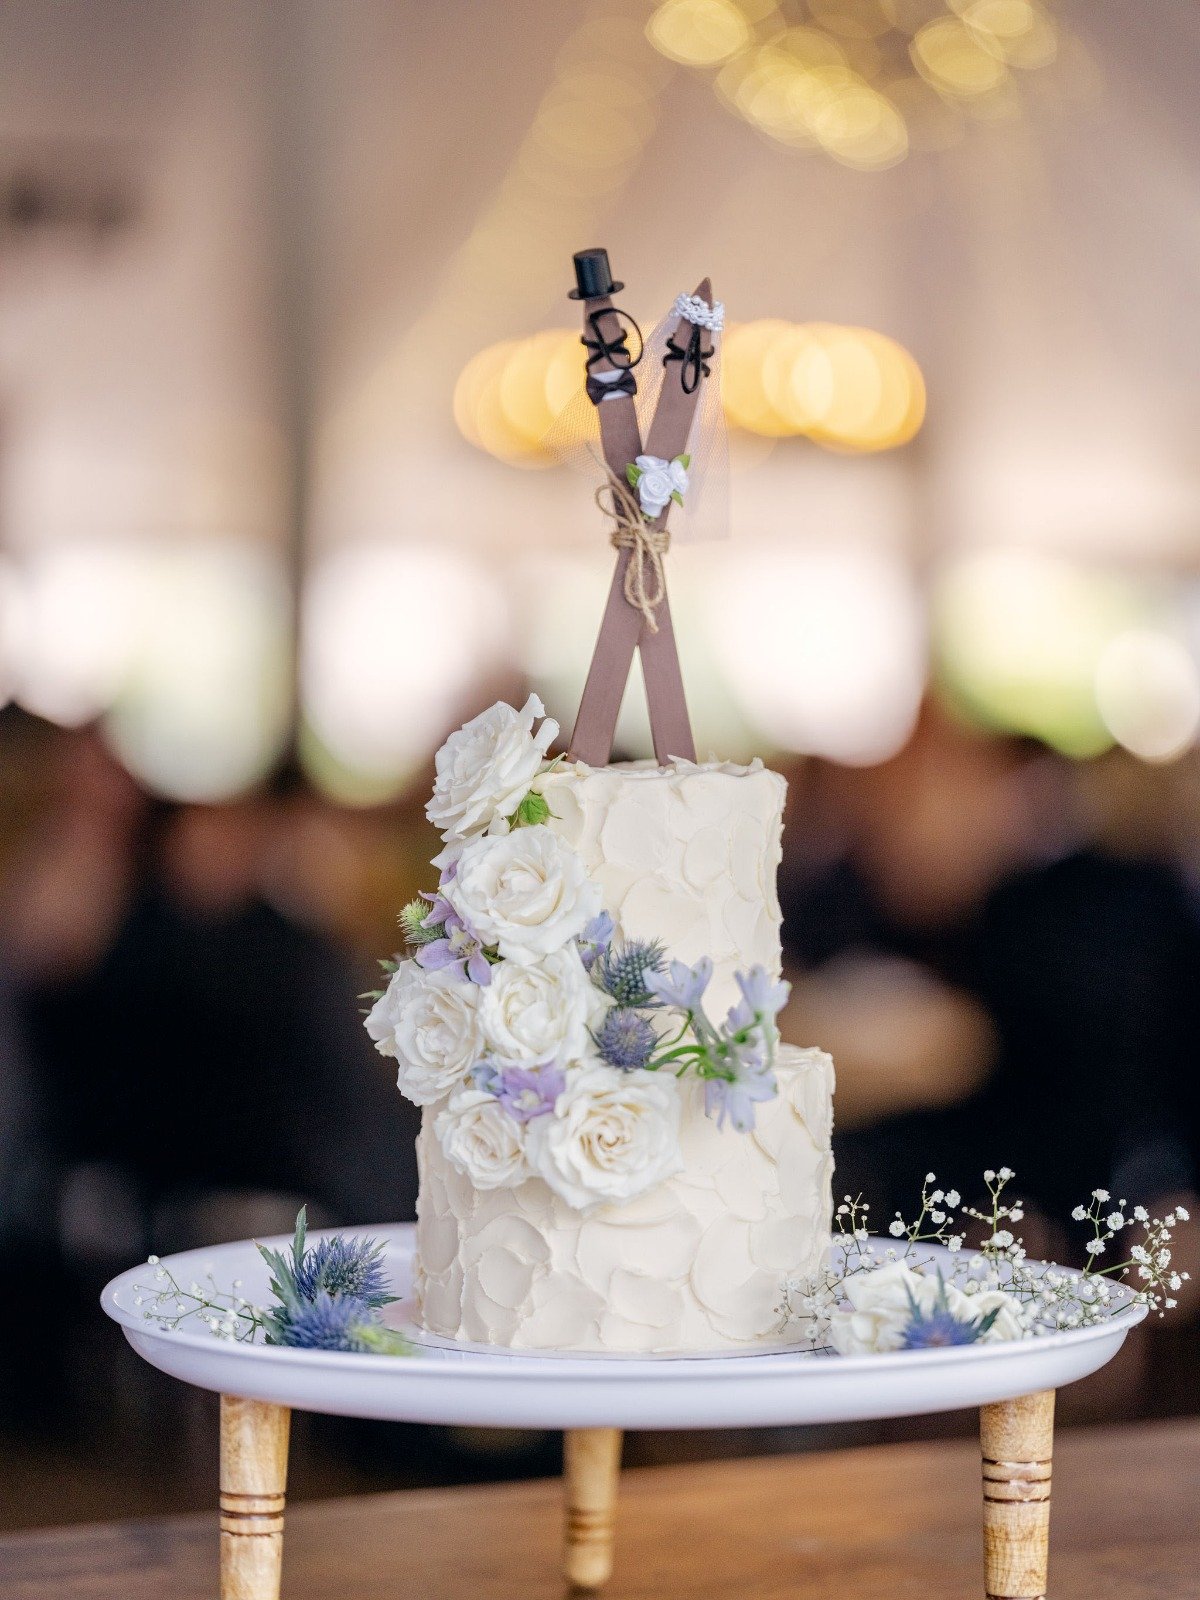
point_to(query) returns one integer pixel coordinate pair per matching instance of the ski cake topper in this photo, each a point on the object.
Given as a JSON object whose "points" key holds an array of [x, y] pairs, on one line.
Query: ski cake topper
{"points": [[645, 400]]}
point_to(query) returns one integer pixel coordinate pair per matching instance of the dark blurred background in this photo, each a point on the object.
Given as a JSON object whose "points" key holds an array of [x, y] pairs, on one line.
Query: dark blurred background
{"points": [[282, 325]]}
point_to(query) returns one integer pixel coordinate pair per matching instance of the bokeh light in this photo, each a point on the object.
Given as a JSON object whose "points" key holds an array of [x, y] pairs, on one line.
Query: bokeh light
{"points": [[382, 678], [698, 33], [1148, 693], [837, 667], [1019, 636], [849, 389]]}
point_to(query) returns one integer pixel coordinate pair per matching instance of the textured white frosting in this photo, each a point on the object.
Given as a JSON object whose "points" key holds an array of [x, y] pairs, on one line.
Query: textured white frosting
{"points": [[696, 1264], [687, 854]]}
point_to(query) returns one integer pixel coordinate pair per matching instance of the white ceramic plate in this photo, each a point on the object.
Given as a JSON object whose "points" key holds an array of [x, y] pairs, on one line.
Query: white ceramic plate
{"points": [[492, 1388]]}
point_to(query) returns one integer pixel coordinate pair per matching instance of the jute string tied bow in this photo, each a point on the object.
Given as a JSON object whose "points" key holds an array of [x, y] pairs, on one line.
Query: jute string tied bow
{"points": [[645, 581]]}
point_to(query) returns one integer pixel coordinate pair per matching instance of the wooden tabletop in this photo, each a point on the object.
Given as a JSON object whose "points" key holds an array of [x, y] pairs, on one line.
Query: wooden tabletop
{"points": [[899, 1522]]}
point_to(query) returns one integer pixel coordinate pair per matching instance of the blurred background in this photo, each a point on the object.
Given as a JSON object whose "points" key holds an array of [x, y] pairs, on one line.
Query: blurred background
{"points": [[282, 328]]}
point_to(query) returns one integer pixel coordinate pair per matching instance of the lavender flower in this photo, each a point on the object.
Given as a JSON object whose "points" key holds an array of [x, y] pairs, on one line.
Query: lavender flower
{"points": [[595, 940], [528, 1092], [349, 1267], [680, 985], [625, 1039], [460, 951], [625, 972]]}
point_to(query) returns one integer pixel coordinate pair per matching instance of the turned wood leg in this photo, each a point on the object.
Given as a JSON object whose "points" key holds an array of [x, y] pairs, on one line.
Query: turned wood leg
{"points": [[591, 1467], [254, 1451], [1017, 1438]]}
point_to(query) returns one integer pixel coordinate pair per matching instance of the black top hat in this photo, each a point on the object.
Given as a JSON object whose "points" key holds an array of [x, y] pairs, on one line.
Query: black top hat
{"points": [[593, 276]]}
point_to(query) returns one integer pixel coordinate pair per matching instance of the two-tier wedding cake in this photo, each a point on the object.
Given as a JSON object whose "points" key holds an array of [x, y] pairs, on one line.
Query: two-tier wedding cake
{"points": [[616, 1155]]}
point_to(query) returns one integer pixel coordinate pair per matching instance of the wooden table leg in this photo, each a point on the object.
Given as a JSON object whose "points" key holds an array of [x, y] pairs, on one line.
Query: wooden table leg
{"points": [[591, 1468], [1017, 1438], [254, 1451]]}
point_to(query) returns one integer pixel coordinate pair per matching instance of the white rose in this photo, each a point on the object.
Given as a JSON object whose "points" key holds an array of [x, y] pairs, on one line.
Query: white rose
{"points": [[659, 480], [429, 1021], [880, 1309], [611, 1136], [485, 769], [481, 1140], [1008, 1324], [539, 1013], [527, 892]]}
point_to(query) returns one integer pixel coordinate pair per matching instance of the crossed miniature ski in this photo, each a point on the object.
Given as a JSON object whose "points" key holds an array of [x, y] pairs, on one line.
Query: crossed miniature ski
{"points": [[638, 612]]}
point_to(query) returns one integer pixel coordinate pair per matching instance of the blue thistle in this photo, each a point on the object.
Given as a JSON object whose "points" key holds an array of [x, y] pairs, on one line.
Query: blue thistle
{"points": [[621, 971], [625, 1040], [940, 1328], [350, 1267], [326, 1322]]}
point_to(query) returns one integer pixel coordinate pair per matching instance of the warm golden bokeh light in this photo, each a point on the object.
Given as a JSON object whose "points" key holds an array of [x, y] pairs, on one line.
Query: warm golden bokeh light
{"points": [[698, 33], [846, 388], [863, 80]]}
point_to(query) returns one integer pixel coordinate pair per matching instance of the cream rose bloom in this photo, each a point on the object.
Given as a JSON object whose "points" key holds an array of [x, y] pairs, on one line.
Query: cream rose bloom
{"points": [[611, 1136], [525, 892], [485, 769], [481, 1140], [880, 1309], [539, 1013], [429, 1021]]}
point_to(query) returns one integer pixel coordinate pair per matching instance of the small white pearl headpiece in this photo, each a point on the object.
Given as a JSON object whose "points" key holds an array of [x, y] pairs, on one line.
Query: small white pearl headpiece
{"points": [[699, 313]]}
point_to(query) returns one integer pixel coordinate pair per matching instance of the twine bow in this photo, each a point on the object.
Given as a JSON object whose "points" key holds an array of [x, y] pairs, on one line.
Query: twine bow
{"points": [[645, 580]]}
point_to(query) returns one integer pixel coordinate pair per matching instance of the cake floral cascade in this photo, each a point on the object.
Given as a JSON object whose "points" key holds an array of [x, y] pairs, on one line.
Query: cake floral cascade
{"points": [[902, 1298], [556, 1048]]}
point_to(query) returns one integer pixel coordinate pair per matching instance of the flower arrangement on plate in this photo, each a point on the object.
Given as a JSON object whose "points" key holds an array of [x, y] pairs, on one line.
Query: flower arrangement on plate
{"points": [[556, 1048], [904, 1298]]}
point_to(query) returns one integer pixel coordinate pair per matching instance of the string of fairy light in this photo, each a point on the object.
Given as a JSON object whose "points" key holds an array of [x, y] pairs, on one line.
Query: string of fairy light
{"points": [[863, 81]]}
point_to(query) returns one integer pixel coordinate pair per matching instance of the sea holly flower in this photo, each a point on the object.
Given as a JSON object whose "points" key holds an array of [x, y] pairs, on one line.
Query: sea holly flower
{"points": [[625, 1039], [528, 1092], [595, 939], [681, 985], [625, 971], [341, 1266], [658, 482]]}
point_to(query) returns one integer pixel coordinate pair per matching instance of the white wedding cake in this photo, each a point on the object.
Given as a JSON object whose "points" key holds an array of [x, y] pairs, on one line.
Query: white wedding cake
{"points": [[603, 1166]]}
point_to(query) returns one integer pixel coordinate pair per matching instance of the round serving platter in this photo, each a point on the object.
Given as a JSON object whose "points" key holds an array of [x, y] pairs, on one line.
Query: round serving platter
{"points": [[446, 1383]]}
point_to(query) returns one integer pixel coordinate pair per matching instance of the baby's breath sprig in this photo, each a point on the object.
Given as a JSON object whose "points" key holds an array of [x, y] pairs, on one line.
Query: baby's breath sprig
{"points": [[1047, 1299], [225, 1312]]}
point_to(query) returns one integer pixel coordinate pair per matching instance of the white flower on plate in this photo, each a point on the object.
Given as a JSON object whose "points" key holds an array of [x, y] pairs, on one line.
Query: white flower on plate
{"points": [[480, 1140], [540, 1012], [429, 1021], [485, 769], [882, 1302], [526, 892], [611, 1136], [658, 481]]}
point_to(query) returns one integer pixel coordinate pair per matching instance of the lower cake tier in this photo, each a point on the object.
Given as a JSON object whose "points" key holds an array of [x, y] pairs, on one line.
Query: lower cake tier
{"points": [[696, 1264]]}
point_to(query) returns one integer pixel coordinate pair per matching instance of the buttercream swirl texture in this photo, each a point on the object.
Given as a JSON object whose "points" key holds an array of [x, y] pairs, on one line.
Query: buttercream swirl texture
{"points": [[695, 1264], [687, 854]]}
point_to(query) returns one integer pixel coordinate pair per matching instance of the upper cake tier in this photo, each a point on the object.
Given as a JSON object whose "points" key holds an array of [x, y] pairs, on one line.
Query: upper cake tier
{"points": [[687, 854]]}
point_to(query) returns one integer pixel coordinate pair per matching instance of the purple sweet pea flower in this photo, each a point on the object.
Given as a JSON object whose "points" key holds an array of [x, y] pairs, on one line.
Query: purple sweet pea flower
{"points": [[736, 1097], [761, 999], [459, 950], [595, 939], [528, 1092], [681, 985]]}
